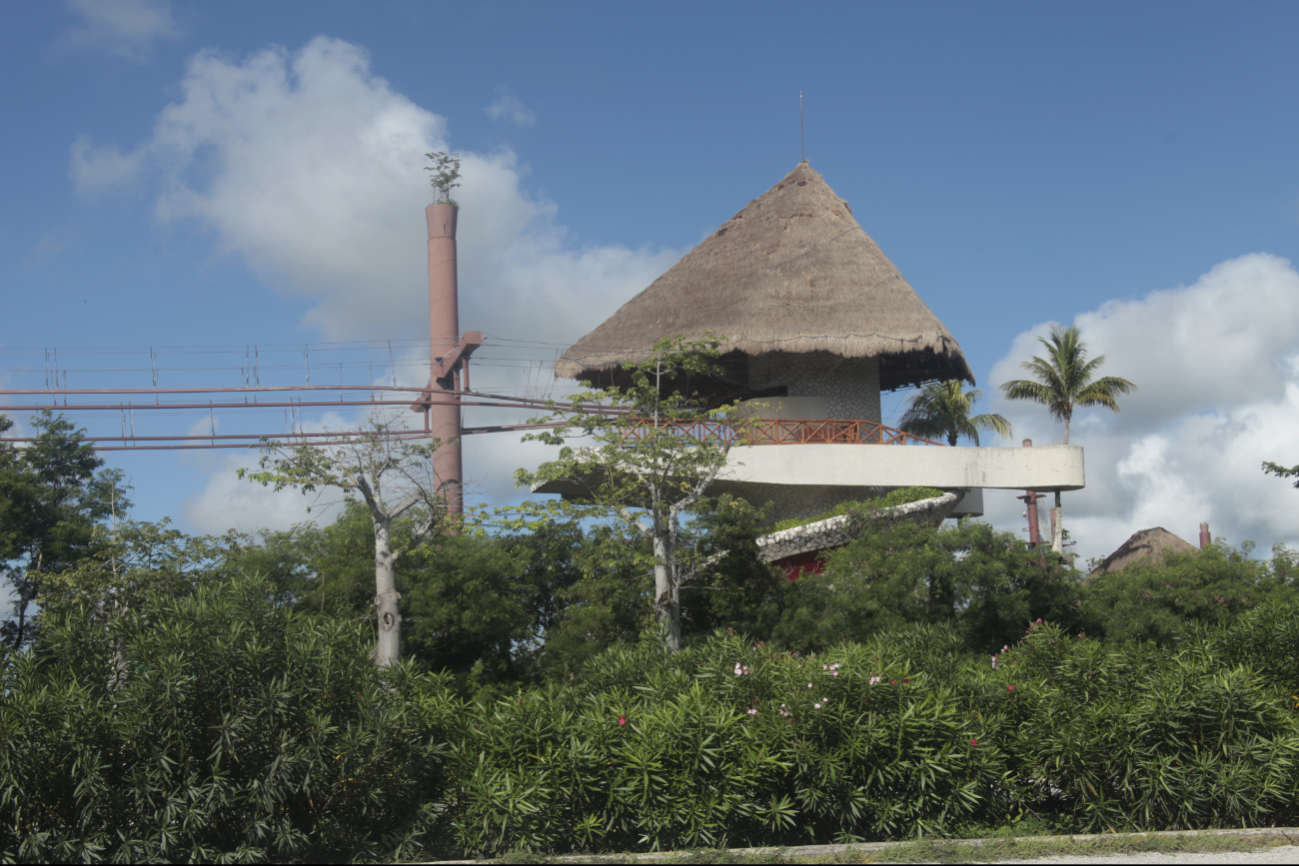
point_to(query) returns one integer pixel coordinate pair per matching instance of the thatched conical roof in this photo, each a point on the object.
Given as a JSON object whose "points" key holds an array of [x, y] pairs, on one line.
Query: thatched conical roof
{"points": [[792, 272], [1147, 544]]}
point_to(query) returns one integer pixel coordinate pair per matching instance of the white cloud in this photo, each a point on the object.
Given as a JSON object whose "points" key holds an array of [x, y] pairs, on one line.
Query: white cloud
{"points": [[122, 28], [230, 502], [101, 170], [508, 107], [309, 167], [1219, 394]]}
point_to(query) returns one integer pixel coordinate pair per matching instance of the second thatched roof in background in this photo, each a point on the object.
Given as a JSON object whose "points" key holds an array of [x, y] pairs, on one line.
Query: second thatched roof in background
{"points": [[1147, 544], [792, 272]]}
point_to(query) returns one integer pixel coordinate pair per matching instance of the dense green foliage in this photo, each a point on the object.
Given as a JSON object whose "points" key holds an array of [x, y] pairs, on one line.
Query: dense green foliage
{"points": [[1155, 599], [225, 723], [196, 699], [54, 495], [901, 496], [987, 584], [220, 725], [898, 737]]}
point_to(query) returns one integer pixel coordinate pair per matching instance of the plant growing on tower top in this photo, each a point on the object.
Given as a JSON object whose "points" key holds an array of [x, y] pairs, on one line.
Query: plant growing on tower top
{"points": [[446, 173]]}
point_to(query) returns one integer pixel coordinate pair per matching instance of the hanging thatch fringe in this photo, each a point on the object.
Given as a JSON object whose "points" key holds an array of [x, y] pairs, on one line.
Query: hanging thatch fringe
{"points": [[792, 272]]}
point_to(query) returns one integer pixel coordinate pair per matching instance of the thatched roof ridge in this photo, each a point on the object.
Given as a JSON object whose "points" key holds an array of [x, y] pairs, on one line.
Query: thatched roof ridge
{"points": [[792, 272], [1146, 544]]}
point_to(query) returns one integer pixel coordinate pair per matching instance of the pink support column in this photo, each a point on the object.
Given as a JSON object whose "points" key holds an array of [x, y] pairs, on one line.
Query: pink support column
{"points": [[444, 330]]}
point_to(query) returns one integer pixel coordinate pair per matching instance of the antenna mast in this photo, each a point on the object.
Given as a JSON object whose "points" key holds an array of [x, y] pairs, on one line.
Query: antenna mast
{"points": [[802, 139]]}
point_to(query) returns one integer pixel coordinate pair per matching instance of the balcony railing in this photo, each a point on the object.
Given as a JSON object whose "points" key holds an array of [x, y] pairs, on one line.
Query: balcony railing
{"points": [[779, 431]]}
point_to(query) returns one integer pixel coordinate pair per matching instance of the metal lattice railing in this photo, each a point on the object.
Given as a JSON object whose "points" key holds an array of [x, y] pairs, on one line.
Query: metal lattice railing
{"points": [[780, 431]]}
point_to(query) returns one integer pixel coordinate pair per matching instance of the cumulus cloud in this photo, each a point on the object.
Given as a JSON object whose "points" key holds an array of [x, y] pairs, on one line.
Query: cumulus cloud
{"points": [[308, 167], [508, 107], [127, 29], [229, 502], [1217, 364]]}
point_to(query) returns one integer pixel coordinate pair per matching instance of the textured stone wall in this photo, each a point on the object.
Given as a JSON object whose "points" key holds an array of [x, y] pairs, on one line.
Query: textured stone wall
{"points": [[851, 389], [851, 386], [836, 532]]}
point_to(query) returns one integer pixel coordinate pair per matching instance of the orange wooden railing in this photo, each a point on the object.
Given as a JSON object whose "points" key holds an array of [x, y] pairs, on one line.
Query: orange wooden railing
{"points": [[780, 431]]}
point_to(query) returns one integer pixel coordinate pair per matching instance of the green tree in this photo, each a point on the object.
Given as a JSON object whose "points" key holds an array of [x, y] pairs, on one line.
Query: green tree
{"points": [[649, 466], [446, 175], [53, 495], [132, 561], [1156, 599], [943, 409], [1280, 471], [241, 731], [987, 585], [1061, 381], [392, 475], [474, 604]]}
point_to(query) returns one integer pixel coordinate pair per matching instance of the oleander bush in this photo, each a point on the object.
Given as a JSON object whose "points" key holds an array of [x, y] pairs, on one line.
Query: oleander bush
{"points": [[732, 743], [218, 726], [224, 726]]}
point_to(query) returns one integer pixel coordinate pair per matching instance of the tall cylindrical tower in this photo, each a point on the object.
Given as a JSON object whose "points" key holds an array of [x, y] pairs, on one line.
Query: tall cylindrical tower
{"points": [[444, 330]]}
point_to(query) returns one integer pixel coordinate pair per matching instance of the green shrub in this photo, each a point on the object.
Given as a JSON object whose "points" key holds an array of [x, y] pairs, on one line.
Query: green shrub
{"points": [[987, 584], [219, 726], [735, 743], [1154, 599]]}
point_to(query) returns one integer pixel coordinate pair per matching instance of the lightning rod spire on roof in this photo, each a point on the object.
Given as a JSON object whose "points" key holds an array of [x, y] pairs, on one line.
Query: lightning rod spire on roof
{"points": [[802, 139]]}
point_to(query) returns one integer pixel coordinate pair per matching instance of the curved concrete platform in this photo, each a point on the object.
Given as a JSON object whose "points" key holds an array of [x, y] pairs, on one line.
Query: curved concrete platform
{"points": [[1043, 468], [795, 481]]}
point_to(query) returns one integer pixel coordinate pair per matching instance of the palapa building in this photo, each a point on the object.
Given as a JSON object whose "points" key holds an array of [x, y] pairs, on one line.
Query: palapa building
{"points": [[817, 322], [811, 308]]}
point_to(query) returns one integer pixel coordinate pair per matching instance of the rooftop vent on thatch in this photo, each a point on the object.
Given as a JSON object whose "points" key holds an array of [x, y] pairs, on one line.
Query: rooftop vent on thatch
{"points": [[792, 272]]}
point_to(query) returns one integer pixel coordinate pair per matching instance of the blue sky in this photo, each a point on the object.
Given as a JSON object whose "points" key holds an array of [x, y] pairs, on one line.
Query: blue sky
{"points": [[236, 174]]}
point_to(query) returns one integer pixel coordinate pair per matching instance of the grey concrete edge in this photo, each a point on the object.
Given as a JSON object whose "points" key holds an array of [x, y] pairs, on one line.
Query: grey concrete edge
{"points": [[834, 531], [1289, 834]]}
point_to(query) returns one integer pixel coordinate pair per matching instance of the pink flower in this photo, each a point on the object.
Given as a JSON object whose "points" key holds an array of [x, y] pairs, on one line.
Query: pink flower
{"points": [[974, 742], [816, 706], [809, 685], [874, 680], [753, 712], [622, 720], [1011, 688]]}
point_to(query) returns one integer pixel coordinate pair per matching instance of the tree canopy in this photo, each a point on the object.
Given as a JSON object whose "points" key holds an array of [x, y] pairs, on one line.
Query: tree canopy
{"points": [[943, 409], [1063, 379]]}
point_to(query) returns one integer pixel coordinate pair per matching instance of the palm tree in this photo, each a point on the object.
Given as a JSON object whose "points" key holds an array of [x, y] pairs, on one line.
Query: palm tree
{"points": [[943, 409], [1063, 381]]}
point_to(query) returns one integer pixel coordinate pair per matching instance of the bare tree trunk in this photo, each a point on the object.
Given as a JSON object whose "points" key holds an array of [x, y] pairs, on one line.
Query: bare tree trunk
{"points": [[667, 598], [387, 650]]}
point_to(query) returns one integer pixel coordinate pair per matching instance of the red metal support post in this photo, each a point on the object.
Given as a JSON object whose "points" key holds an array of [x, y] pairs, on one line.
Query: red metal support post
{"points": [[1030, 502]]}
